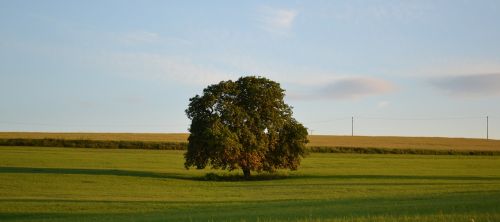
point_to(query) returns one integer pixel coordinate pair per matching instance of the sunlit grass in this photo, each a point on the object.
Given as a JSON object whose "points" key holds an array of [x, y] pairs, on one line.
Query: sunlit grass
{"points": [[61, 184]]}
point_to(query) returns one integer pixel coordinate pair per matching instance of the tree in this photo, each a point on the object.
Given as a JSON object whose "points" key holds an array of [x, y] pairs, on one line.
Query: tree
{"points": [[244, 124]]}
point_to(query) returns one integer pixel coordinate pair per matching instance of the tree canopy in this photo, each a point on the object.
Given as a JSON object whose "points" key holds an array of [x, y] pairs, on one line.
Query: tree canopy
{"points": [[244, 124]]}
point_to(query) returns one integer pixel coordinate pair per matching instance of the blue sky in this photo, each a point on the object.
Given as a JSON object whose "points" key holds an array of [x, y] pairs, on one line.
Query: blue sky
{"points": [[408, 68]]}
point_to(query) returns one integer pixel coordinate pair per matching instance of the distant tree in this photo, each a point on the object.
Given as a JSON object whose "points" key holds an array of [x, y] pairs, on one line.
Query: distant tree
{"points": [[244, 124]]}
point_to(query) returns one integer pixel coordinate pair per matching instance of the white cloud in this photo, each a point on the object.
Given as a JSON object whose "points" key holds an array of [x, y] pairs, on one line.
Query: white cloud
{"points": [[277, 21], [459, 77], [354, 88], [161, 67], [297, 75], [383, 104], [305, 83], [368, 11], [347, 89], [445, 66], [146, 37], [469, 85], [139, 37]]}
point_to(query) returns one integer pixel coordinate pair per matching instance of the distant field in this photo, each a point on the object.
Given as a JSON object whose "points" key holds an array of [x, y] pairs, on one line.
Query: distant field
{"points": [[432, 143], [438, 143], [154, 137], [53, 184]]}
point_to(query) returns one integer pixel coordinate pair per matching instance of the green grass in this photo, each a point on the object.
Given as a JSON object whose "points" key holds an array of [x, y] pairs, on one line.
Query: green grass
{"points": [[55, 184]]}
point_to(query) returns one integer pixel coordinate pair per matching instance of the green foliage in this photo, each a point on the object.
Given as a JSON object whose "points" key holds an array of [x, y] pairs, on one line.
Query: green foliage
{"points": [[107, 144], [244, 125], [374, 150], [150, 145]]}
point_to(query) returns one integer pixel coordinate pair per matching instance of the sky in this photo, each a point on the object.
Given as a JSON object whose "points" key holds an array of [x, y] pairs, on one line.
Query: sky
{"points": [[403, 68]]}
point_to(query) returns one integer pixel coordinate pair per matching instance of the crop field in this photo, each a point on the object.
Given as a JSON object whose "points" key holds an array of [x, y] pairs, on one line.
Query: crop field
{"points": [[433, 143], [154, 137], [71, 184]]}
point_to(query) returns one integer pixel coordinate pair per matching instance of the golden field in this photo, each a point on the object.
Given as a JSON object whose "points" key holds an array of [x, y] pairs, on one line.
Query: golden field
{"points": [[437, 143]]}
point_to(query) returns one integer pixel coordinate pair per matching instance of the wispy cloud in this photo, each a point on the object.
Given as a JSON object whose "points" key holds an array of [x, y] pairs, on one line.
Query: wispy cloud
{"points": [[139, 37], [353, 88], [469, 85], [297, 75], [162, 67], [362, 11], [451, 67], [147, 37], [383, 104], [305, 83], [277, 20], [349, 88]]}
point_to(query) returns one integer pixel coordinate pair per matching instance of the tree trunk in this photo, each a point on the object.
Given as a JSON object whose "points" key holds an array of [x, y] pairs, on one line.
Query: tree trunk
{"points": [[246, 173]]}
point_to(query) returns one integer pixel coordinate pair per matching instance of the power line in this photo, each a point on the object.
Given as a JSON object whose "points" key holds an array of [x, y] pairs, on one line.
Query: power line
{"points": [[311, 122], [329, 120], [396, 118], [421, 118], [442, 118]]}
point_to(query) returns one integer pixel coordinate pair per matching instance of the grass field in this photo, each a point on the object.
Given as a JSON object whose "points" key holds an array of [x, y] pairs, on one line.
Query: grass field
{"points": [[430, 143], [55, 184]]}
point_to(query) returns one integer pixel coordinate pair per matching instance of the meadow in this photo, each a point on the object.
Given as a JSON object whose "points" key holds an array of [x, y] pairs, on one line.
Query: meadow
{"points": [[71, 184]]}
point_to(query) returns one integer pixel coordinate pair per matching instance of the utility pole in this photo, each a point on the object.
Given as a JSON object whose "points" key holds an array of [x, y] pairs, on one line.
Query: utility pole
{"points": [[487, 128], [352, 126]]}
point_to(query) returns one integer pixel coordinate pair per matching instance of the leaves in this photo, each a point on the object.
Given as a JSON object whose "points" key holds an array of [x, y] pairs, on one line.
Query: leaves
{"points": [[244, 124]]}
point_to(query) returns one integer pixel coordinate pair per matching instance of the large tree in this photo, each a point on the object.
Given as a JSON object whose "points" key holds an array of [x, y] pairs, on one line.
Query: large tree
{"points": [[244, 124]]}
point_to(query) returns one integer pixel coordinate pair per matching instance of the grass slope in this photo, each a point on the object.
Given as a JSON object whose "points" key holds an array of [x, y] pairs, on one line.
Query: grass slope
{"points": [[54, 184], [428, 143]]}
